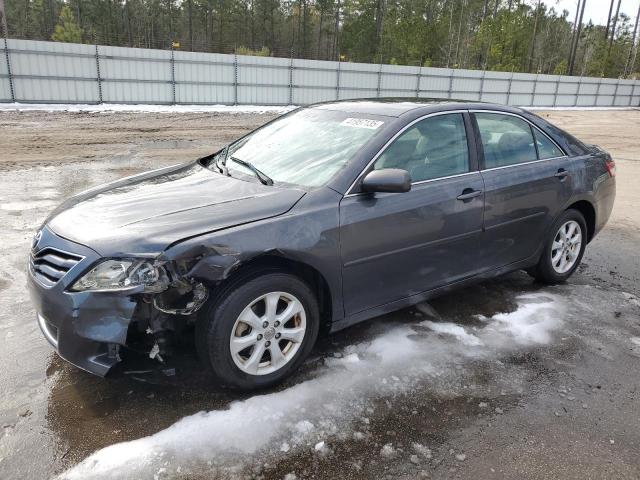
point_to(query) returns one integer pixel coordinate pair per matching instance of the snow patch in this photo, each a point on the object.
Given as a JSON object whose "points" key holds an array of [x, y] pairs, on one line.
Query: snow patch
{"points": [[21, 206], [337, 402], [141, 108], [455, 330]]}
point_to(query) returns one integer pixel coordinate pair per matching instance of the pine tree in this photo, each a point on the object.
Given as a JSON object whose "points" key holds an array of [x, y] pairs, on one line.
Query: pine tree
{"points": [[67, 30]]}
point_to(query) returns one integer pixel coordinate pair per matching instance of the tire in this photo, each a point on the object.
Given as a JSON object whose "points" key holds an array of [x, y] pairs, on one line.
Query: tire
{"points": [[552, 272], [220, 325]]}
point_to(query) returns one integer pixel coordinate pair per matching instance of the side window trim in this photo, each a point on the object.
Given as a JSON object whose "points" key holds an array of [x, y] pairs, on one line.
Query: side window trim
{"points": [[535, 142], [534, 128], [471, 149]]}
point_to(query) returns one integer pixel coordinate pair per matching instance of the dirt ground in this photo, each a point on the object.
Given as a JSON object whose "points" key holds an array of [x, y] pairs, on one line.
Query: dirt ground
{"points": [[506, 379]]}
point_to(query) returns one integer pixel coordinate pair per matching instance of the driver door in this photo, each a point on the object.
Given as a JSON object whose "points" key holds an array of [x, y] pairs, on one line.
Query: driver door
{"points": [[395, 245]]}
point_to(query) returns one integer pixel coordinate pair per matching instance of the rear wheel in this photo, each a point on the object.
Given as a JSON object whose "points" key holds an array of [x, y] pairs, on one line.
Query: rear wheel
{"points": [[563, 249], [259, 330]]}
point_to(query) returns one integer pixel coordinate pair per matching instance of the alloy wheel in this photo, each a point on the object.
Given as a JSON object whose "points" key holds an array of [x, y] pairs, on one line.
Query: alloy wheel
{"points": [[566, 246], [268, 333]]}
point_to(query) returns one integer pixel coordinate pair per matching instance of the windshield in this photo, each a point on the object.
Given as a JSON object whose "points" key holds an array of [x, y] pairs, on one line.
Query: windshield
{"points": [[306, 147]]}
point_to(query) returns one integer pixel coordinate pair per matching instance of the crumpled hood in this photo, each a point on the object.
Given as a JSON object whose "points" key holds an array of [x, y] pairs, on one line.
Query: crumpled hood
{"points": [[146, 213]]}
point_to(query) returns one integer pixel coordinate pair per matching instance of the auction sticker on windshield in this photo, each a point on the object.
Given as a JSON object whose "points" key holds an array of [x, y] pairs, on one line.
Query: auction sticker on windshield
{"points": [[361, 123]]}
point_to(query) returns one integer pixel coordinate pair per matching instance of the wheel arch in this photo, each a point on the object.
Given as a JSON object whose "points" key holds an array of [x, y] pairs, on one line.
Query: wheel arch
{"points": [[305, 272], [588, 211]]}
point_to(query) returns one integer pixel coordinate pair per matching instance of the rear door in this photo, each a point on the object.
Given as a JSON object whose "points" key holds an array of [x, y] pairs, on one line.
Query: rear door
{"points": [[395, 245], [527, 182]]}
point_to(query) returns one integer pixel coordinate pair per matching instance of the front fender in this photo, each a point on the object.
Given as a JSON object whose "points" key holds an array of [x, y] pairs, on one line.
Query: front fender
{"points": [[308, 235]]}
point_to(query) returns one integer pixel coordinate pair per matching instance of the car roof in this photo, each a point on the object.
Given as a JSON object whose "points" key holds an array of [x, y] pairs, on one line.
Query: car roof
{"points": [[395, 107]]}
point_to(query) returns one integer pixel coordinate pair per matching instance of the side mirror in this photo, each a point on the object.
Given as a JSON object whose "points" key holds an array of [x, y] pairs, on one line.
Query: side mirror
{"points": [[389, 180]]}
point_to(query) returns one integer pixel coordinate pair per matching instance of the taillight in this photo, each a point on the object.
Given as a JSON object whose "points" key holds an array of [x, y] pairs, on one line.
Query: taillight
{"points": [[611, 166]]}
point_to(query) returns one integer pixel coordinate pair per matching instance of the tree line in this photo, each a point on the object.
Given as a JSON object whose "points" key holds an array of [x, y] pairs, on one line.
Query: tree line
{"points": [[505, 35]]}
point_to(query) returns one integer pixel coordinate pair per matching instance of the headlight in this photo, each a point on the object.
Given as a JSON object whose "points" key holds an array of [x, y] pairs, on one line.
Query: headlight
{"points": [[123, 274]]}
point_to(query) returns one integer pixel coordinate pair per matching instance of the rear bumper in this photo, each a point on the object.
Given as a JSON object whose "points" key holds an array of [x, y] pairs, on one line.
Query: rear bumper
{"points": [[605, 196], [83, 327]]}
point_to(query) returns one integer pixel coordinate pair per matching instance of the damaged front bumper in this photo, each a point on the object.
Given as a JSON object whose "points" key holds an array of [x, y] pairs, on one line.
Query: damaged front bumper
{"points": [[85, 329], [88, 328]]}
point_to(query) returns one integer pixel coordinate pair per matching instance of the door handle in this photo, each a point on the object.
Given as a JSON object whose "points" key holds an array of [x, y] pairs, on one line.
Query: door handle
{"points": [[468, 194], [562, 174]]}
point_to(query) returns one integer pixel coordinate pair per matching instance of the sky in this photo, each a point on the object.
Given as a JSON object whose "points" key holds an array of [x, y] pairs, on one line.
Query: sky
{"points": [[595, 10]]}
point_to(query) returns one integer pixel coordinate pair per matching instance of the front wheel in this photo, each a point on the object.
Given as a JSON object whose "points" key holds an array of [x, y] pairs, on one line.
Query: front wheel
{"points": [[259, 331], [563, 249]]}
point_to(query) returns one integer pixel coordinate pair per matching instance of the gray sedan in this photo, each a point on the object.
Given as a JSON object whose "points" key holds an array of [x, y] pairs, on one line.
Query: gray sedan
{"points": [[325, 217]]}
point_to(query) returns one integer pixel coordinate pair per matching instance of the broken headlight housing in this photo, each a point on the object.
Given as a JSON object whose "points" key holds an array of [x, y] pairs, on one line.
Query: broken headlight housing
{"points": [[123, 274]]}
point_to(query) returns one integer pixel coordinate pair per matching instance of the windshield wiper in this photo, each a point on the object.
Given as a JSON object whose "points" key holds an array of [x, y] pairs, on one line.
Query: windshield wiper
{"points": [[220, 165], [264, 179]]}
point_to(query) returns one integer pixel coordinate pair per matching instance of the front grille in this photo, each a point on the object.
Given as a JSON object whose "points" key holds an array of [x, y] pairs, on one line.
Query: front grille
{"points": [[49, 265]]}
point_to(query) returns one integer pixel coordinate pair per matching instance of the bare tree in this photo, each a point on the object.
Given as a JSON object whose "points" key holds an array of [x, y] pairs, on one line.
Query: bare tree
{"points": [[606, 32], [191, 24], [336, 30], [573, 33], [631, 59], [380, 8], [457, 62], [575, 44], [613, 27], [532, 47]]}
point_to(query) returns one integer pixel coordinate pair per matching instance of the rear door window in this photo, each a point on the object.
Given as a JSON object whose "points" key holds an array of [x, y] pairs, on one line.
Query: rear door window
{"points": [[506, 140]]}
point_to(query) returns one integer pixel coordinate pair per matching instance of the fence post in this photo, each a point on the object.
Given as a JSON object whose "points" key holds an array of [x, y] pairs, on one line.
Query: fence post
{"points": [[173, 77], [484, 74], [6, 57], [598, 91], [418, 78], [291, 78], [450, 92], [509, 88], [615, 93], [535, 88], [555, 94], [99, 77], [379, 80], [633, 92], [235, 77], [575, 100], [338, 80]]}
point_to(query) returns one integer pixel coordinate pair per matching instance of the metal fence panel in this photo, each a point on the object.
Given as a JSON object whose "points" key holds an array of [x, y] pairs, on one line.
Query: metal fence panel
{"points": [[313, 73], [545, 85], [55, 91], [5, 87], [259, 95], [64, 73], [495, 97], [347, 94], [355, 76], [585, 100], [66, 76], [204, 67], [307, 95], [5, 90], [136, 92], [543, 100], [118, 63]]}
